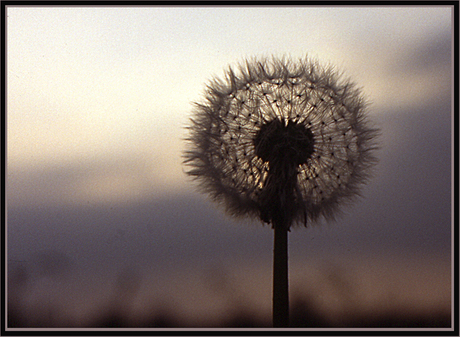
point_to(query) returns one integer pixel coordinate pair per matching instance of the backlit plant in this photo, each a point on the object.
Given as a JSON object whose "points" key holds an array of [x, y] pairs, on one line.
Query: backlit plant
{"points": [[286, 142]]}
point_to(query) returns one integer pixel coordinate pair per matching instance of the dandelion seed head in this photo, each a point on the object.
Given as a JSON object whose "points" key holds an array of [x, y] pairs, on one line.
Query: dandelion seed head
{"points": [[281, 140]]}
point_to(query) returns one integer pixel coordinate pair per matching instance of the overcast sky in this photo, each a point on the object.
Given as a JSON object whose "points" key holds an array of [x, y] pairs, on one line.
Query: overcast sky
{"points": [[97, 101]]}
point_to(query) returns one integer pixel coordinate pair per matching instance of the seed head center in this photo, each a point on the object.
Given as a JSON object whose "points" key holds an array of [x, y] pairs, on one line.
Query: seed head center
{"points": [[282, 143]]}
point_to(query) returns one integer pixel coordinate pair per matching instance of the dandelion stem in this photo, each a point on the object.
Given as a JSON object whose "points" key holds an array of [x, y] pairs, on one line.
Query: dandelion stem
{"points": [[280, 276]]}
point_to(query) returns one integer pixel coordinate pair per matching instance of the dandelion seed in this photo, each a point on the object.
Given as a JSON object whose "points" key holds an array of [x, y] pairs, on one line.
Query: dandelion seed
{"points": [[290, 127]]}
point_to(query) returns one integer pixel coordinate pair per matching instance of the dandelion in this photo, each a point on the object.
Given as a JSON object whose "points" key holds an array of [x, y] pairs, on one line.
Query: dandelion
{"points": [[286, 142]]}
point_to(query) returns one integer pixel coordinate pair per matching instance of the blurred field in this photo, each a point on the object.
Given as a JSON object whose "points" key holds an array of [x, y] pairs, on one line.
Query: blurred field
{"points": [[340, 292]]}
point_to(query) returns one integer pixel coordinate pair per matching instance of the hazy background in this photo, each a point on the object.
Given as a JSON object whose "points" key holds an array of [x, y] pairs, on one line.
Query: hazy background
{"points": [[103, 226]]}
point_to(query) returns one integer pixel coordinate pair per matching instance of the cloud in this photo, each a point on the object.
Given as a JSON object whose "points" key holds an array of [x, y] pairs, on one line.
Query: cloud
{"points": [[409, 74], [119, 179]]}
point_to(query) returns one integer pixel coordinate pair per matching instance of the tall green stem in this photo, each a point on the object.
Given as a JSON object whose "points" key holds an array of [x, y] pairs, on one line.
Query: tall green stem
{"points": [[280, 277]]}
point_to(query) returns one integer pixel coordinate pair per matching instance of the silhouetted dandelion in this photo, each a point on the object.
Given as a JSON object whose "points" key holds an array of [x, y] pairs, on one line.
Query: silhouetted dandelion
{"points": [[283, 141]]}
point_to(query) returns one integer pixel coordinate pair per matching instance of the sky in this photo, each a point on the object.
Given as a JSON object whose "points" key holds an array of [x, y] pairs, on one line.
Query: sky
{"points": [[97, 103]]}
